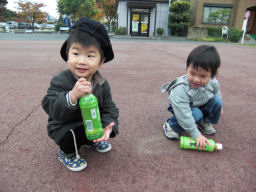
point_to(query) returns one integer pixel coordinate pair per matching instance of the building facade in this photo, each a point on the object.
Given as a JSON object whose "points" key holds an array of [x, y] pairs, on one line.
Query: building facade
{"points": [[143, 17], [235, 11]]}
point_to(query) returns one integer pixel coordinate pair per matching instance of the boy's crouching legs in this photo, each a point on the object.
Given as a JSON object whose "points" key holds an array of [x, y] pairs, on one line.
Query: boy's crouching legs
{"points": [[69, 147], [169, 132], [212, 112]]}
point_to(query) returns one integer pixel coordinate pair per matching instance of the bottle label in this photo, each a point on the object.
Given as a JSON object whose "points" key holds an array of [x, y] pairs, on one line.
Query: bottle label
{"points": [[189, 143], [94, 114], [89, 125]]}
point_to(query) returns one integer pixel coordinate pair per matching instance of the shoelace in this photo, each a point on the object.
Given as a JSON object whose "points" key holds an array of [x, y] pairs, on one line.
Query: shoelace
{"points": [[74, 137]]}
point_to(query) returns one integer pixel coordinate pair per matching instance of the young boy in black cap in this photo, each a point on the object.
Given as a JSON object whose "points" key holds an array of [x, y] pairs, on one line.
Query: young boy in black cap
{"points": [[86, 49]]}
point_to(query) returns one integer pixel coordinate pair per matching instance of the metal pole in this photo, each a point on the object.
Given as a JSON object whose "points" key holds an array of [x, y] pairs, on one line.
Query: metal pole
{"points": [[247, 15], [167, 27], [244, 30]]}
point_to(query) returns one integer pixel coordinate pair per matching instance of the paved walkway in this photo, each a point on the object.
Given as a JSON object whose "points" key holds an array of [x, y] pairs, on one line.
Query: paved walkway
{"points": [[142, 159], [63, 36]]}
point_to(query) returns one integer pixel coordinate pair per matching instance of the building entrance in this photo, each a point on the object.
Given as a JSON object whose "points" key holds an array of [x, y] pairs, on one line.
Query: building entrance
{"points": [[139, 22], [251, 25]]}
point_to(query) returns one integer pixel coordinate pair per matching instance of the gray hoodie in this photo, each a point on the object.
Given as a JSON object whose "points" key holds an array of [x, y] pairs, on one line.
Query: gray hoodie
{"points": [[183, 97]]}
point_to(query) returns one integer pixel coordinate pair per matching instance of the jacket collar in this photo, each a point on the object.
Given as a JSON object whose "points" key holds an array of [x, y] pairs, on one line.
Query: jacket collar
{"points": [[97, 79]]}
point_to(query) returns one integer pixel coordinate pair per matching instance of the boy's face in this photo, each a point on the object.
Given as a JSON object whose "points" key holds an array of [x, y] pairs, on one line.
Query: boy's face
{"points": [[197, 77], [84, 61]]}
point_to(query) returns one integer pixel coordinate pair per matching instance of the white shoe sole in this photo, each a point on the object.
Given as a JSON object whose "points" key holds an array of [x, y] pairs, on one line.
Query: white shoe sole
{"points": [[175, 136], [75, 169], [100, 150]]}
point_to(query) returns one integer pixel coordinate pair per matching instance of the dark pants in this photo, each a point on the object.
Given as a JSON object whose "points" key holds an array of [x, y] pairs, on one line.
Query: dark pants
{"points": [[207, 113], [67, 143]]}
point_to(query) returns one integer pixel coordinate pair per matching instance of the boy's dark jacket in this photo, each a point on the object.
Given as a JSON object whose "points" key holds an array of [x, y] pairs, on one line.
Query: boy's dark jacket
{"points": [[63, 117]]}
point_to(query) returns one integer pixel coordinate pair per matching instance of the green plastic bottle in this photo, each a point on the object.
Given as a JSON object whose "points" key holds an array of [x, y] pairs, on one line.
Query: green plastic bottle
{"points": [[91, 117], [189, 143]]}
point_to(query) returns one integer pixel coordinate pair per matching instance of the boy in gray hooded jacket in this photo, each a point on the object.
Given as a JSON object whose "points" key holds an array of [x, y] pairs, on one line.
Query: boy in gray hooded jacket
{"points": [[195, 99]]}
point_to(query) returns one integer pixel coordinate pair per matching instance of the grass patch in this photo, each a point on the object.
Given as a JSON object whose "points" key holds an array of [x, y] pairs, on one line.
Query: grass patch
{"points": [[212, 39], [249, 45]]}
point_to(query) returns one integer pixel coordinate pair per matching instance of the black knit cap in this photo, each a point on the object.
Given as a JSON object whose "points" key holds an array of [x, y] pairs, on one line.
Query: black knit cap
{"points": [[95, 29]]}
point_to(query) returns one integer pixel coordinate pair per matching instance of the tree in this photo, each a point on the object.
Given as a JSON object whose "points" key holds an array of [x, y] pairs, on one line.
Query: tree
{"points": [[31, 11], [2, 6], [100, 14], [219, 17], [108, 7], [9, 15], [179, 18], [77, 8]]}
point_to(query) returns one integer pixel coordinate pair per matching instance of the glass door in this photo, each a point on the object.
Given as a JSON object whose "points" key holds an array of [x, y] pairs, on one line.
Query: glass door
{"points": [[140, 22], [135, 24], [144, 25]]}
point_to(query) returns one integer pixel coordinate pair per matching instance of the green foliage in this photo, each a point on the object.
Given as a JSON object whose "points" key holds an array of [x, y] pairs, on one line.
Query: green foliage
{"points": [[159, 31], [179, 29], [179, 18], [179, 7], [8, 15], [234, 34], [120, 31], [213, 39], [87, 9], [214, 32], [253, 36], [77, 8], [220, 16]]}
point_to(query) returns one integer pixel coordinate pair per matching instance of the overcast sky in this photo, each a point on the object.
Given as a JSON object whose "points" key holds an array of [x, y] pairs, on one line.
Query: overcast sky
{"points": [[50, 6]]}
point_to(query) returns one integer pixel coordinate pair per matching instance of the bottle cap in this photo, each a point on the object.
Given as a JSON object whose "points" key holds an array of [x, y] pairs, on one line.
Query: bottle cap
{"points": [[219, 146]]}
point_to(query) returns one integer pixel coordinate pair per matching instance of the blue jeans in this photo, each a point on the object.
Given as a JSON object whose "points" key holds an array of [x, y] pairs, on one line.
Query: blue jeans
{"points": [[207, 113]]}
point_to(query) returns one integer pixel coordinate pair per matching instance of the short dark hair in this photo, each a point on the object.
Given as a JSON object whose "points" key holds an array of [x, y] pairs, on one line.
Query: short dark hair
{"points": [[85, 39], [205, 57]]}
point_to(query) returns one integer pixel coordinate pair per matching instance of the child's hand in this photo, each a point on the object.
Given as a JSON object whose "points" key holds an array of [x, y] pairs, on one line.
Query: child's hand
{"points": [[201, 141], [81, 88], [107, 132], [222, 111]]}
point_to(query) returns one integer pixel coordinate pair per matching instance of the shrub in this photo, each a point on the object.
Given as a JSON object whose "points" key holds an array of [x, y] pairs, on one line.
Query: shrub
{"points": [[159, 31], [214, 32], [179, 18], [120, 31], [234, 35]]}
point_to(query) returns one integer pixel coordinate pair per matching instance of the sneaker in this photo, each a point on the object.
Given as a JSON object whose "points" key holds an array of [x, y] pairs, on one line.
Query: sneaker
{"points": [[101, 146], [207, 128], [71, 161], [169, 132]]}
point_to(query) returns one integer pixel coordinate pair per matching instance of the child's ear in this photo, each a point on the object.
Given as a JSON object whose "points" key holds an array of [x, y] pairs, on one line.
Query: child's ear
{"points": [[102, 62]]}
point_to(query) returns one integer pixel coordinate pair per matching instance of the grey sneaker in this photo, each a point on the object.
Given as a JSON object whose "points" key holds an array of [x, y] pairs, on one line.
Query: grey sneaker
{"points": [[207, 128], [169, 132]]}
